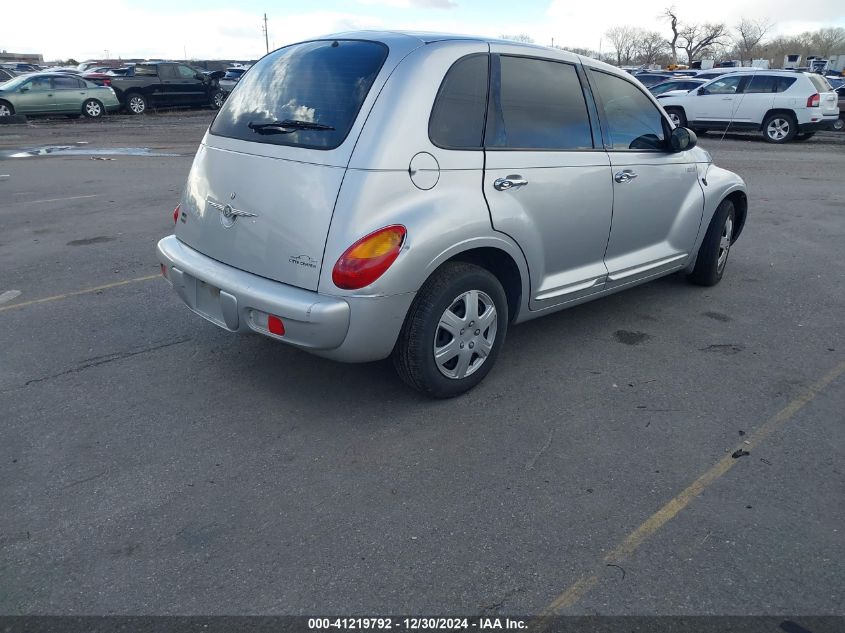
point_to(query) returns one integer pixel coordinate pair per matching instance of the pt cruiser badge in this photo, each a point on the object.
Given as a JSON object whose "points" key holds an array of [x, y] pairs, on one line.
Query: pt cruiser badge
{"points": [[228, 214]]}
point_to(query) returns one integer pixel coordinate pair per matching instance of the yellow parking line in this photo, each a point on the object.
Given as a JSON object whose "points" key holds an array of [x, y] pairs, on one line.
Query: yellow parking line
{"points": [[76, 293], [636, 538]]}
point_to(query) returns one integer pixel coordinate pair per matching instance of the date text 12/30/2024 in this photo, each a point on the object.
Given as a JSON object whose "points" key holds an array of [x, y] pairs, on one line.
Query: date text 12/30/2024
{"points": [[417, 624]]}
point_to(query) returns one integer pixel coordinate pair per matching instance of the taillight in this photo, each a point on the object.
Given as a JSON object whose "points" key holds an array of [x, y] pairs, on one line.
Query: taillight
{"points": [[813, 102], [107, 82], [368, 258], [176, 214]]}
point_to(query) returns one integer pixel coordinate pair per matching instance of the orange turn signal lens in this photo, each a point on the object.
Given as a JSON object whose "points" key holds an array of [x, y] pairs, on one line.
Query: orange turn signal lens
{"points": [[368, 258]]}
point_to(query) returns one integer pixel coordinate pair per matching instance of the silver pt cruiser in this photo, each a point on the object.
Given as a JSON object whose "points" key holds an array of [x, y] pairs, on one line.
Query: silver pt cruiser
{"points": [[372, 194]]}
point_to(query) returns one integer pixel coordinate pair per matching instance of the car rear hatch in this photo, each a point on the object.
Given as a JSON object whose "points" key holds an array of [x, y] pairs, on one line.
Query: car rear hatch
{"points": [[828, 100], [262, 189]]}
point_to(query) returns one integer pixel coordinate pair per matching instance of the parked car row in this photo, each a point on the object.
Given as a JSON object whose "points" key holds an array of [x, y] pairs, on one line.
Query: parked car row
{"points": [[101, 89]]}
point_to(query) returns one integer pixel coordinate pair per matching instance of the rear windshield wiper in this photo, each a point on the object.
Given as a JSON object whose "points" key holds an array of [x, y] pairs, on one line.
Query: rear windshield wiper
{"points": [[288, 126]]}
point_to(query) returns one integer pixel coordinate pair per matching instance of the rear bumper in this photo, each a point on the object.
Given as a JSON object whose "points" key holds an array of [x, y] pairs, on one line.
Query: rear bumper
{"points": [[825, 123], [351, 329]]}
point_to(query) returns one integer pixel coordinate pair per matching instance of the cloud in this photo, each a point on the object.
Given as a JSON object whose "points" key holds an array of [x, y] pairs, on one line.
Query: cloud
{"points": [[408, 4]]}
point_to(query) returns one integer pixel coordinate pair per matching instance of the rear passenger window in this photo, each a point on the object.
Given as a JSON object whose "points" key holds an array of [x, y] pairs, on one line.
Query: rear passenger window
{"points": [[457, 119], [633, 121], [66, 83], [539, 105], [785, 82], [761, 83]]}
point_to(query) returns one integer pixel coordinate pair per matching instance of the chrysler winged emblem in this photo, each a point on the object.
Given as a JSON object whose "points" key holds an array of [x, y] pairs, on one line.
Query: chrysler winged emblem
{"points": [[228, 213]]}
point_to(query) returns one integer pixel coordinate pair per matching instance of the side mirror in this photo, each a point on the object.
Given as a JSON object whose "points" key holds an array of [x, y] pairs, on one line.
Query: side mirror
{"points": [[24, 89], [702, 91], [682, 139]]}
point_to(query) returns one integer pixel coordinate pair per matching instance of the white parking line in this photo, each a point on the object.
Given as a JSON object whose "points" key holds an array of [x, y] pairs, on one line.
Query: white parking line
{"points": [[93, 195]]}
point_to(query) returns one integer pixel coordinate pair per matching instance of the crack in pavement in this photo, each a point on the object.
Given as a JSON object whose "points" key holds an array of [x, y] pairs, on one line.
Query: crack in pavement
{"points": [[108, 358]]}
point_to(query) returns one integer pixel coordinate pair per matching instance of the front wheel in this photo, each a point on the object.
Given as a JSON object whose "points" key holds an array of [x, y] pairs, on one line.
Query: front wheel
{"points": [[453, 331], [217, 99], [839, 125], [779, 128], [713, 252], [93, 109], [6, 109]]}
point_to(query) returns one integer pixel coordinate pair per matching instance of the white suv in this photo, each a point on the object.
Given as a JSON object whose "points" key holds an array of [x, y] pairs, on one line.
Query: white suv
{"points": [[781, 104]]}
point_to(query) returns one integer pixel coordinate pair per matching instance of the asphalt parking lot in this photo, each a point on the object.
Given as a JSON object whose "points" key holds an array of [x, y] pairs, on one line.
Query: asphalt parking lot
{"points": [[153, 463]]}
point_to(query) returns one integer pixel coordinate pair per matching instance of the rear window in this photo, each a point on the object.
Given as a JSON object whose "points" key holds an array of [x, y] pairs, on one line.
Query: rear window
{"points": [[323, 83], [820, 83]]}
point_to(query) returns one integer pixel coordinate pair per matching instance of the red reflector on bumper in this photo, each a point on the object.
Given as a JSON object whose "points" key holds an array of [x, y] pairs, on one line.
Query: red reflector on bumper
{"points": [[275, 325], [163, 270]]}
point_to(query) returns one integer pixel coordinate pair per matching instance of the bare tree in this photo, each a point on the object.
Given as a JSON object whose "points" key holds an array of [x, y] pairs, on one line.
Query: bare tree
{"points": [[650, 46], [749, 34], [624, 40], [828, 41], [522, 37], [673, 22], [696, 38]]}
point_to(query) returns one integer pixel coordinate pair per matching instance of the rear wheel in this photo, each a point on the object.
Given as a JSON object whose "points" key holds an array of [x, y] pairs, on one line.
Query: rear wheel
{"points": [[779, 128], [136, 103], [713, 252], [453, 331], [93, 109], [217, 99], [677, 116], [6, 109]]}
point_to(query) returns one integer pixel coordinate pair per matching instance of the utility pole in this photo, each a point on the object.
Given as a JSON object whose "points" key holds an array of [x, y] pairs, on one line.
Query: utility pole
{"points": [[266, 39]]}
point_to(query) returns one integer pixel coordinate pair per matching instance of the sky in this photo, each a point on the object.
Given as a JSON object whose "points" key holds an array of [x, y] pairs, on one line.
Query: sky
{"points": [[208, 29]]}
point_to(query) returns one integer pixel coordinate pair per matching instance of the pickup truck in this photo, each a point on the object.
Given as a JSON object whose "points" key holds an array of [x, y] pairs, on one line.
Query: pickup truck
{"points": [[152, 84]]}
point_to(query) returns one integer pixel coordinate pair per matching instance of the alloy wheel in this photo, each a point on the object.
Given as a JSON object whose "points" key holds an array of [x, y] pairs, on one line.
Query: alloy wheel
{"points": [[93, 109], [465, 334], [725, 243], [676, 120], [778, 129], [4, 110], [136, 104]]}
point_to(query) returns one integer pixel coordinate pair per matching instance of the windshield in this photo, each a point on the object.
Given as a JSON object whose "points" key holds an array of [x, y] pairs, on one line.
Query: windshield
{"points": [[14, 84], [322, 82]]}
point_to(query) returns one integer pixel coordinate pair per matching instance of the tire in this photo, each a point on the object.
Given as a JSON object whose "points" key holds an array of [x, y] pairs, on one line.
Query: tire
{"points": [[217, 99], [713, 252], [6, 109], [93, 109], [439, 318], [839, 125], [779, 128], [136, 103], [805, 136], [677, 115]]}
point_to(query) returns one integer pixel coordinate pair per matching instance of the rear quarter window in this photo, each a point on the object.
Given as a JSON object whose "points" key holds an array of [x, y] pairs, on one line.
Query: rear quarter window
{"points": [[820, 83], [457, 118], [323, 82]]}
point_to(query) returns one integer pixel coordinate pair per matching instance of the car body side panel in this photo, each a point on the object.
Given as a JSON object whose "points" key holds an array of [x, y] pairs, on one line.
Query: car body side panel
{"points": [[441, 223]]}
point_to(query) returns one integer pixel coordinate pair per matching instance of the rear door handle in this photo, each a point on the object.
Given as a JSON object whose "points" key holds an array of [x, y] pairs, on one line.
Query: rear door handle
{"points": [[727, 98], [503, 184], [626, 175]]}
